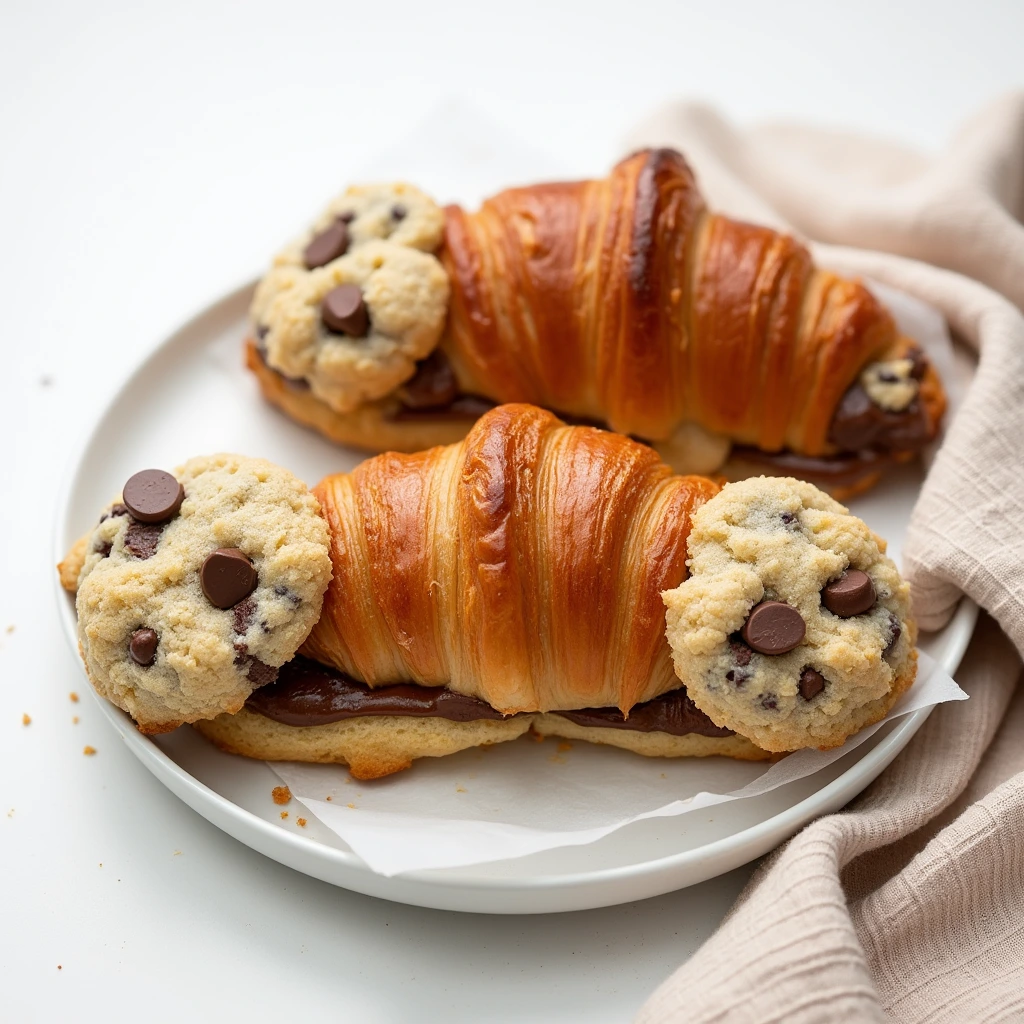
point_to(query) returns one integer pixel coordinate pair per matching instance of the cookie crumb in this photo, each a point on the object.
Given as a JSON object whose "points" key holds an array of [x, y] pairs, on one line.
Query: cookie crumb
{"points": [[73, 697], [60, 967], [564, 745], [352, 806], [460, 789], [74, 719], [10, 813], [88, 751], [301, 822], [328, 798], [26, 720], [177, 853], [281, 795], [536, 737], [10, 629], [284, 814]]}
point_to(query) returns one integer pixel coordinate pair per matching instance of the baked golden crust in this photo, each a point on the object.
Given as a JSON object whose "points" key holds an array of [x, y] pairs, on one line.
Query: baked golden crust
{"points": [[652, 744], [372, 747]]}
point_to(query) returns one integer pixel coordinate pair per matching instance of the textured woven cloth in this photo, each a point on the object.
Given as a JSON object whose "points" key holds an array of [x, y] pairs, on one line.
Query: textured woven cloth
{"points": [[909, 904]]}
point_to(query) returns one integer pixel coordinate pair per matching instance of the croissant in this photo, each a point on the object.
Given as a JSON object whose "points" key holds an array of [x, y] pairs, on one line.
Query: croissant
{"points": [[521, 577], [621, 302]]}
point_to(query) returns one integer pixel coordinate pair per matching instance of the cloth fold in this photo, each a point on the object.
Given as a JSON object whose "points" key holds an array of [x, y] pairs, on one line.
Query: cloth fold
{"points": [[908, 904]]}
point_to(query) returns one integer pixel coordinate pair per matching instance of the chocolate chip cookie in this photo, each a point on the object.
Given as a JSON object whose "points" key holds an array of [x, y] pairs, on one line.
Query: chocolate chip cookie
{"points": [[793, 628], [354, 327], [197, 586]]}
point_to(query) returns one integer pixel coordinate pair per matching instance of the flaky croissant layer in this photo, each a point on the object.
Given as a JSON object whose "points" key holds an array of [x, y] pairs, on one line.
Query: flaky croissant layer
{"points": [[523, 565]]}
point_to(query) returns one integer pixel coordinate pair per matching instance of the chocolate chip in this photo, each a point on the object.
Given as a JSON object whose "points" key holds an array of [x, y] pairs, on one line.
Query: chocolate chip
{"points": [[433, 386], [344, 311], [774, 627], [257, 672], [737, 676], [262, 330], [243, 615], [741, 653], [103, 548], [115, 510], [788, 518], [142, 646], [811, 683], [141, 539], [852, 594], [895, 632], [347, 217], [227, 577], [398, 212], [289, 595], [260, 674], [769, 701], [153, 496], [326, 246]]}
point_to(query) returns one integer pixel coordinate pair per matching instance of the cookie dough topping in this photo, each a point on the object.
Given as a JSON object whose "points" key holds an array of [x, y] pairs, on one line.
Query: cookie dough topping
{"points": [[349, 308], [891, 385], [793, 628]]}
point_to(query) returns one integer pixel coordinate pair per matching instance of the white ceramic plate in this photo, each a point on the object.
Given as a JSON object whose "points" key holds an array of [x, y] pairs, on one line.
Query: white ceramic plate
{"points": [[192, 396]]}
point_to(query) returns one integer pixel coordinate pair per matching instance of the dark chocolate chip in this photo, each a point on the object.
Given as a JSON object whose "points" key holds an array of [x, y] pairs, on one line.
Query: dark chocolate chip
{"points": [[347, 217], [398, 212], [103, 548], [327, 246], [788, 518], [344, 311], [741, 653], [433, 386], [262, 330], [115, 510], [227, 577], [141, 539], [895, 632], [737, 676], [852, 594], [243, 615], [289, 595], [769, 701], [811, 683], [153, 495], [774, 627], [259, 673], [142, 646]]}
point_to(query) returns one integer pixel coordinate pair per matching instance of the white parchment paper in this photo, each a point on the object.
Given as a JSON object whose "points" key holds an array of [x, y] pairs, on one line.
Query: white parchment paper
{"points": [[522, 797]]}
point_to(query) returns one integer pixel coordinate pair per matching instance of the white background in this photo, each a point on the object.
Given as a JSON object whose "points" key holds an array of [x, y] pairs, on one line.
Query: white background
{"points": [[151, 156]]}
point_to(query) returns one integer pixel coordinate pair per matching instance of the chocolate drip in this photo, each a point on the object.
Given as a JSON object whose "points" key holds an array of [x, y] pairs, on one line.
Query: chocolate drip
{"points": [[842, 470], [308, 693]]}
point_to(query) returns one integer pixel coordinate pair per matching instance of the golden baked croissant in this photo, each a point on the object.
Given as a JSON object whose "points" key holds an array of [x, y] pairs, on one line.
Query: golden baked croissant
{"points": [[534, 575], [520, 578], [624, 302]]}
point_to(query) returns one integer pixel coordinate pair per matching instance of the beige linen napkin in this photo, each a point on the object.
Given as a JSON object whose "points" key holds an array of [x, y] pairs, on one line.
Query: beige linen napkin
{"points": [[909, 904]]}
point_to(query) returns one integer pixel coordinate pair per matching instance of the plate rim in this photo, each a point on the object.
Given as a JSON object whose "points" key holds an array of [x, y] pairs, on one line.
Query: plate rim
{"points": [[203, 798]]}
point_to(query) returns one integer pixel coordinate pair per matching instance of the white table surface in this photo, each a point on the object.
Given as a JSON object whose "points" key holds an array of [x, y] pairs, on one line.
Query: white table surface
{"points": [[151, 156]]}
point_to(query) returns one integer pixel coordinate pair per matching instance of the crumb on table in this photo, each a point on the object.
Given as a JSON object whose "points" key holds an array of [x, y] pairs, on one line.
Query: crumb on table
{"points": [[301, 822], [88, 751], [74, 719], [10, 628], [26, 720], [284, 814], [281, 795], [73, 697]]}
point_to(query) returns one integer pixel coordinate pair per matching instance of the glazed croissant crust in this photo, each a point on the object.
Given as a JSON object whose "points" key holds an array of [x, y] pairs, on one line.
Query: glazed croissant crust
{"points": [[624, 300], [523, 565]]}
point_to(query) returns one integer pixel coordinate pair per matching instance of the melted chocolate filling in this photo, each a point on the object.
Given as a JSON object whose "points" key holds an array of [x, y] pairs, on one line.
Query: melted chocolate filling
{"points": [[308, 693], [866, 435]]}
